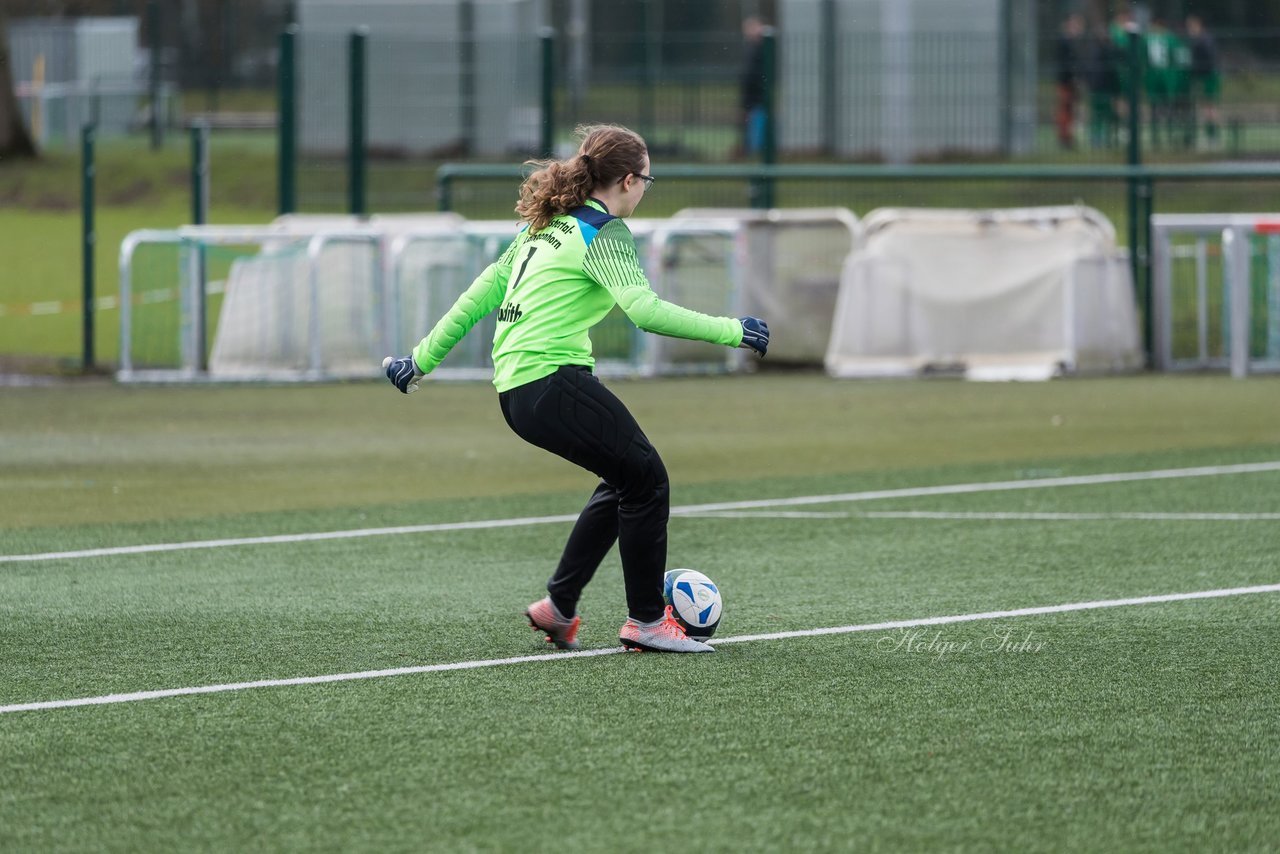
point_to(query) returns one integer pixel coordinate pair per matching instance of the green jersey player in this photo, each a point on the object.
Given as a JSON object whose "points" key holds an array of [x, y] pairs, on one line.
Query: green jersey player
{"points": [[569, 265]]}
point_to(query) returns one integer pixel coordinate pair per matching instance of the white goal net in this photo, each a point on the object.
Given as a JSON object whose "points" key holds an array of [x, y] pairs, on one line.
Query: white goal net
{"points": [[996, 294], [789, 263]]}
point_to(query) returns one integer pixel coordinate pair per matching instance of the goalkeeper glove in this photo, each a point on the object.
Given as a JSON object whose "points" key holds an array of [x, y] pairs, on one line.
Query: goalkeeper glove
{"points": [[403, 373], [755, 335]]}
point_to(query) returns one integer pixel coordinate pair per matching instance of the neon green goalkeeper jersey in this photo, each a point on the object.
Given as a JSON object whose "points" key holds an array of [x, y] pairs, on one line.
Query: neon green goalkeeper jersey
{"points": [[551, 287]]}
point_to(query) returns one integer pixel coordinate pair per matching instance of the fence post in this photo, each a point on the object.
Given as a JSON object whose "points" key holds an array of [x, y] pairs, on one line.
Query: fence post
{"points": [[444, 192], [467, 74], [357, 122], [199, 172], [286, 122], [1134, 186], [1005, 47], [649, 69], [88, 241], [154, 45], [827, 66], [547, 142], [199, 216]]}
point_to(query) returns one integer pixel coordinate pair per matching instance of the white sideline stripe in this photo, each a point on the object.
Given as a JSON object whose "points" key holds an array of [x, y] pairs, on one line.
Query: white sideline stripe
{"points": [[990, 486], [293, 538], [1000, 615], [135, 696], [110, 699], [1078, 517], [766, 514], [847, 497], [998, 515]]}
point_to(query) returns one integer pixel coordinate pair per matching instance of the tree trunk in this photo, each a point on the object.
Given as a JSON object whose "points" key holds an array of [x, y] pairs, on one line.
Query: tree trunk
{"points": [[14, 139]]}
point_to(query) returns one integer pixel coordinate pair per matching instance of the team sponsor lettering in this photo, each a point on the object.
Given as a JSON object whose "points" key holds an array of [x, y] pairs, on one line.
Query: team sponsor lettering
{"points": [[510, 313], [548, 237]]}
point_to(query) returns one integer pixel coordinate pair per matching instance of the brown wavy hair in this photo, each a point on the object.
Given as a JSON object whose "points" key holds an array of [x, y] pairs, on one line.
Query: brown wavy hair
{"points": [[608, 153]]}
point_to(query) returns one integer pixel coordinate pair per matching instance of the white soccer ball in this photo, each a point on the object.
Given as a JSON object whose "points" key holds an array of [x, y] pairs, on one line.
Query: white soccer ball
{"points": [[695, 602]]}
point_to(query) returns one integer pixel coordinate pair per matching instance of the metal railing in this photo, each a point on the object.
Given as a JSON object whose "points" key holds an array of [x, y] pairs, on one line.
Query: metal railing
{"points": [[1247, 305], [193, 321]]}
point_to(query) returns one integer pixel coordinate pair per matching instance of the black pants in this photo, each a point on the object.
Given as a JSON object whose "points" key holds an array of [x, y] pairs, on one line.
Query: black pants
{"points": [[571, 414]]}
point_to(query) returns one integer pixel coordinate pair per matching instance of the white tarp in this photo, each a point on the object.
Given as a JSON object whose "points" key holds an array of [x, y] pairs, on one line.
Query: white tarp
{"points": [[1023, 293]]}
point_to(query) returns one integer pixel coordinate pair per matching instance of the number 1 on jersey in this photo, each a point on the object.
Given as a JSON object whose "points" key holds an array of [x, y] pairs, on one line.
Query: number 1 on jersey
{"points": [[515, 284]]}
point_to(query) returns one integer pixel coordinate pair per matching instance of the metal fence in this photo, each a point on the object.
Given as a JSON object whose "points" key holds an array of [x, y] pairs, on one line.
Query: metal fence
{"points": [[928, 97], [851, 98], [988, 92]]}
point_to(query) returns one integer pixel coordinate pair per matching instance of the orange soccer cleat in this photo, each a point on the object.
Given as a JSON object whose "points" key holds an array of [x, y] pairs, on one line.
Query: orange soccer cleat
{"points": [[546, 618]]}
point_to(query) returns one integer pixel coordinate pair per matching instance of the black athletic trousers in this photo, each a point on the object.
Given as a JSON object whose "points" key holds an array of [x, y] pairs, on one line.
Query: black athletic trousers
{"points": [[571, 414]]}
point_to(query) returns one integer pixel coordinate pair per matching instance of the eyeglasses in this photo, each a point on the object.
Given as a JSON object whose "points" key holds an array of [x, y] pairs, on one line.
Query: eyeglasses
{"points": [[648, 179]]}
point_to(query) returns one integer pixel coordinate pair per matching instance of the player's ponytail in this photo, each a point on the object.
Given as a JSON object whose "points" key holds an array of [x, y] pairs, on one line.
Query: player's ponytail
{"points": [[608, 154]]}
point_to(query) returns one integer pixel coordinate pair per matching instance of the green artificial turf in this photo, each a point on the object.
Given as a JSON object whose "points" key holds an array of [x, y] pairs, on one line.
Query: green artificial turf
{"points": [[1145, 727]]}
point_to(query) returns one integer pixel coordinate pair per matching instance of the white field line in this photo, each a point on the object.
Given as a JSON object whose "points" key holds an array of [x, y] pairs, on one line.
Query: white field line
{"points": [[691, 509], [989, 486], [136, 696], [1078, 517], [997, 515], [770, 514], [292, 538], [1001, 615]]}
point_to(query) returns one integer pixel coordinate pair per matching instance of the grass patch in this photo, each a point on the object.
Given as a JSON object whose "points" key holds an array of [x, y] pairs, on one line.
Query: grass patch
{"points": [[189, 452]]}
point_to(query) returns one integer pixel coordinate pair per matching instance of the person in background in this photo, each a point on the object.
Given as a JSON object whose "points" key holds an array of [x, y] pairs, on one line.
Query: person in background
{"points": [[1102, 77], [1120, 34], [575, 260], [1067, 53], [1182, 121], [751, 86], [1158, 78], [1205, 81]]}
